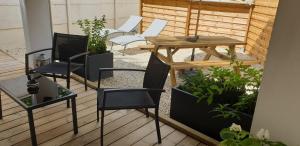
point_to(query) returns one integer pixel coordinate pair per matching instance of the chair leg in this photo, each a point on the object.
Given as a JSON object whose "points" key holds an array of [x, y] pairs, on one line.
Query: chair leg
{"points": [[68, 86], [102, 128], [97, 110], [85, 79], [111, 47], [147, 112], [54, 78], [157, 125]]}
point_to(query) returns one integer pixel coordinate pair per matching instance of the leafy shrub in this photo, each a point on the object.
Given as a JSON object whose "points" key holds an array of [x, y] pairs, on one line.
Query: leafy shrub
{"points": [[233, 92], [235, 136], [97, 37]]}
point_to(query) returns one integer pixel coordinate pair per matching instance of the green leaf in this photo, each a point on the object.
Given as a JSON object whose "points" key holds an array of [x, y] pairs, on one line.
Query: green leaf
{"points": [[210, 100], [226, 134], [251, 142], [229, 142]]}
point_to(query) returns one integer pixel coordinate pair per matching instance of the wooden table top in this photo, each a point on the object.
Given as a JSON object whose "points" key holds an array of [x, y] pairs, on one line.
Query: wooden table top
{"points": [[180, 41]]}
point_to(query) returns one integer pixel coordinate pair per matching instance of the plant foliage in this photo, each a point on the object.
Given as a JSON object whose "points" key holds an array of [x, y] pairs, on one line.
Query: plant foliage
{"points": [[243, 138], [97, 37], [233, 92]]}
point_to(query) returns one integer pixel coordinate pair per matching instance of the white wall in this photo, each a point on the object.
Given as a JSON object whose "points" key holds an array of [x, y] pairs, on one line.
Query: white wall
{"points": [[91, 8], [278, 105], [11, 27], [11, 31]]}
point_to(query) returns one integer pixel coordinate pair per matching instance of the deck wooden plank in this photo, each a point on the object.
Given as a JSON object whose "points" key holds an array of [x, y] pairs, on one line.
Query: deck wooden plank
{"points": [[136, 135], [188, 141], [84, 129], [151, 139], [172, 139], [95, 134], [62, 129]]}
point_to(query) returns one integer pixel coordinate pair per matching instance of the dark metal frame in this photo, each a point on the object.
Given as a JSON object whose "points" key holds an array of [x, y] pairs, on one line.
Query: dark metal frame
{"points": [[69, 62], [30, 113], [149, 90]]}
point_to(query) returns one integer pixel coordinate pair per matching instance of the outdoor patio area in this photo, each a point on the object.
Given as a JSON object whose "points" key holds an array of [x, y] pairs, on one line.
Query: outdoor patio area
{"points": [[149, 73]]}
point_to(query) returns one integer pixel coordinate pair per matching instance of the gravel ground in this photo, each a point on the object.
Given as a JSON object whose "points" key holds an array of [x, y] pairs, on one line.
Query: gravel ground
{"points": [[136, 58]]}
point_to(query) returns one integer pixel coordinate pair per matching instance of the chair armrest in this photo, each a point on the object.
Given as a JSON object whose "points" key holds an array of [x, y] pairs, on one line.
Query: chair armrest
{"points": [[133, 89], [116, 69], [30, 53], [72, 58], [120, 69], [33, 52], [113, 90], [78, 55]]}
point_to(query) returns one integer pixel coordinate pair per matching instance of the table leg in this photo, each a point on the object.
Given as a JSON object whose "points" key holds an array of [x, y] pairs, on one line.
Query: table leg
{"points": [[233, 58], [208, 52], [206, 57], [232, 52], [193, 54], [0, 106], [155, 50], [172, 70], [32, 128], [74, 115]]}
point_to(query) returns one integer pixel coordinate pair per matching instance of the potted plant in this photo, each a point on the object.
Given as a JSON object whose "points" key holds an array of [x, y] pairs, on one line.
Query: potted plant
{"points": [[236, 136], [209, 101], [99, 57]]}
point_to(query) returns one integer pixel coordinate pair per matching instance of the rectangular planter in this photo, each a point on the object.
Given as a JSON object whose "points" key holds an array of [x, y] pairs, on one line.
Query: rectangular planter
{"points": [[199, 115], [96, 61]]}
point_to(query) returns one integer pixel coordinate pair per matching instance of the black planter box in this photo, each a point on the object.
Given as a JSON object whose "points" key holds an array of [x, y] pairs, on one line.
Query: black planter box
{"points": [[96, 61], [199, 115]]}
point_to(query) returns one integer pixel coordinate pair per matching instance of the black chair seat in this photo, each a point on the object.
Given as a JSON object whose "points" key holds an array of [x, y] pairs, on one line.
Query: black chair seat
{"points": [[125, 100], [57, 68]]}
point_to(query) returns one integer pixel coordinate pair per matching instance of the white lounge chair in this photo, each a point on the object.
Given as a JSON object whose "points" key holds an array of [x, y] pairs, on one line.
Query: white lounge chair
{"points": [[153, 30], [128, 26]]}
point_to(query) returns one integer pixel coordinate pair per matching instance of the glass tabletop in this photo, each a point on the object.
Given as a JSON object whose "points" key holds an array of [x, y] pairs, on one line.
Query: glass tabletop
{"points": [[46, 93]]}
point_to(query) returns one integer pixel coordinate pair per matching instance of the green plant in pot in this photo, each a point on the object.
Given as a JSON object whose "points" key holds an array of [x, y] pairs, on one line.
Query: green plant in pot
{"points": [[99, 56], [210, 99], [97, 37], [233, 92]]}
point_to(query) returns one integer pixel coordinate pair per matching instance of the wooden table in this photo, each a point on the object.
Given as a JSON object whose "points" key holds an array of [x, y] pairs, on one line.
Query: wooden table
{"points": [[207, 44]]}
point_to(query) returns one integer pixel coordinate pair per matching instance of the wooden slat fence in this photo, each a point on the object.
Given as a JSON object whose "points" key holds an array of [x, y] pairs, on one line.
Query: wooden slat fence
{"points": [[250, 23], [260, 28]]}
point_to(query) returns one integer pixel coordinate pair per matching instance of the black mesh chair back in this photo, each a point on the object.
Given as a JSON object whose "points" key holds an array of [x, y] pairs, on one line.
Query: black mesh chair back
{"points": [[155, 76], [66, 45]]}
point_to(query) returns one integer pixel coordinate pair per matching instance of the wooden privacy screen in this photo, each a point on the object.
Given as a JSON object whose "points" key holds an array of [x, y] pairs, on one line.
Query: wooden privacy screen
{"points": [[252, 24], [260, 28], [174, 11]]}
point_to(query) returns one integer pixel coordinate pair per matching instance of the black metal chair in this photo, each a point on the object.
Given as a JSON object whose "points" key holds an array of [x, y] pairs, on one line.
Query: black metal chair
{"points": [[69, 53], [155, 77]]}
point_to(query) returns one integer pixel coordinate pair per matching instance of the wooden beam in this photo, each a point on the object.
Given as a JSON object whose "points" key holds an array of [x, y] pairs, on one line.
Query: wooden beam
{"points": [[248, 24], [198, 17], [201, 64], [141, 14], [188, 20]]}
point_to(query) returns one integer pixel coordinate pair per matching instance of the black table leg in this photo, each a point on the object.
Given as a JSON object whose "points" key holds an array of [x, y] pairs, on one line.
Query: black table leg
{"points": [[0, 106], [74, 115], [32, 128]]}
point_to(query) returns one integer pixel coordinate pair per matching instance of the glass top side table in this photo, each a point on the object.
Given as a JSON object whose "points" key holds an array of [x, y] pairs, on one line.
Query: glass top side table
{"points": [[48, 92]]}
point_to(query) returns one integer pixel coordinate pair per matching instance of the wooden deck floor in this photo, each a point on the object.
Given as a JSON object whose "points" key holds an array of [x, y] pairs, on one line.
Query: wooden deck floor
{"points": [[54, 123]]}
